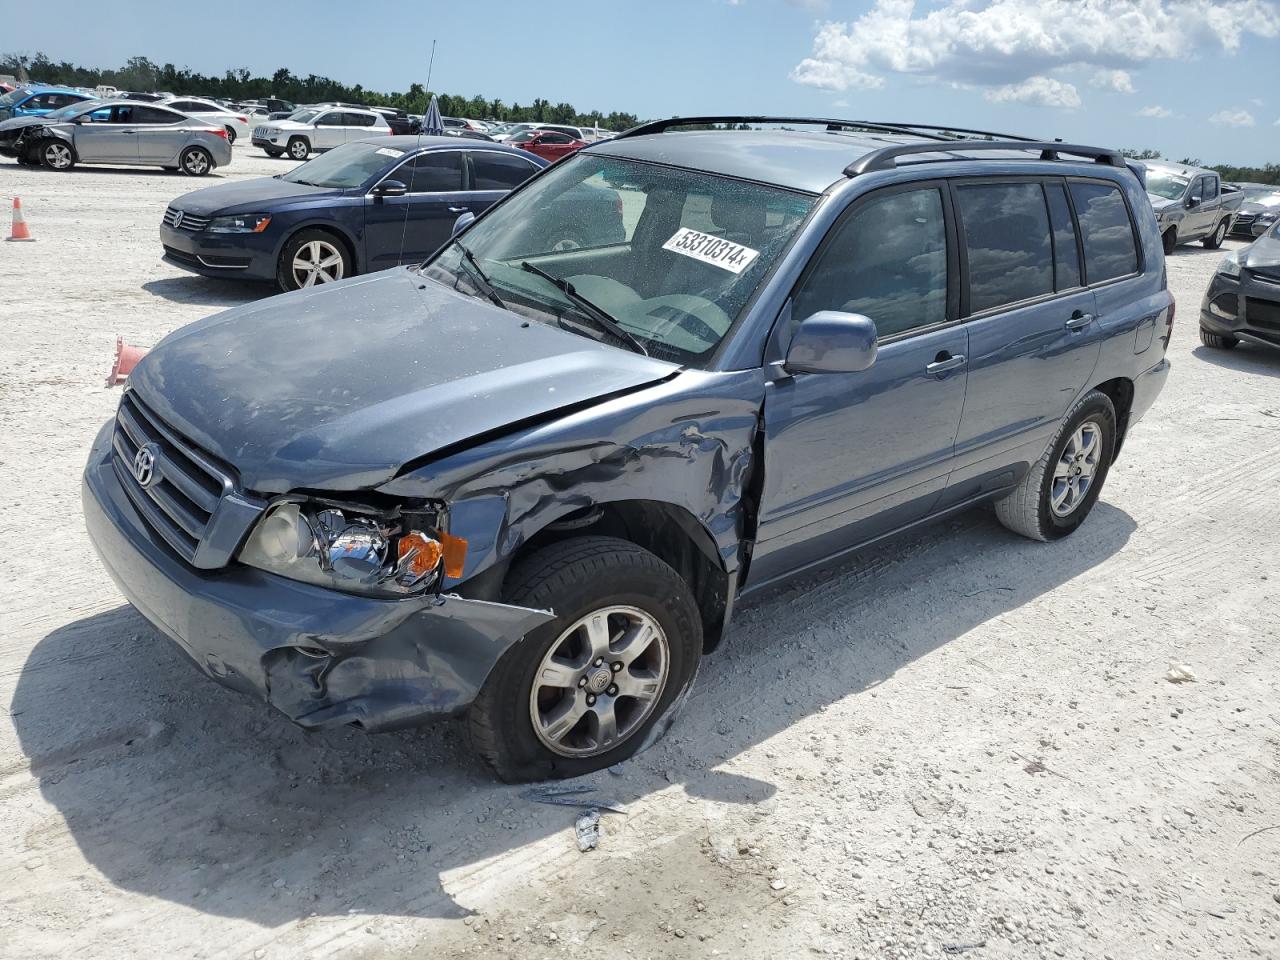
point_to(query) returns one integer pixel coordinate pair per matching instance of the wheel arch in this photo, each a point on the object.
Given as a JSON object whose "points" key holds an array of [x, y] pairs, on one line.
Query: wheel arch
{"points": [[331, 227], [1120, 391], [669, 531]]}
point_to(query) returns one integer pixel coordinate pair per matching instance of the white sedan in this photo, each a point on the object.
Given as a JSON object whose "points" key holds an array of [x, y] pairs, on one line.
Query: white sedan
{"points": [[236, 124]]}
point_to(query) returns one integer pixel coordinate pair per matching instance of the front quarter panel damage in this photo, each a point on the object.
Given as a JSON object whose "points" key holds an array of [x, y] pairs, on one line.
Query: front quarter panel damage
{"points": [[686, 442]]}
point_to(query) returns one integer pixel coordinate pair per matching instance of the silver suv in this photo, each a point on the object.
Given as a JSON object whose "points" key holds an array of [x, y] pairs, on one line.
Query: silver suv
{"points": [[317, 129]]}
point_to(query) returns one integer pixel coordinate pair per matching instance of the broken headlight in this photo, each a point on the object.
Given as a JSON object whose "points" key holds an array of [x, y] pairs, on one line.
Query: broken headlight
{"points": [[346, 550]]}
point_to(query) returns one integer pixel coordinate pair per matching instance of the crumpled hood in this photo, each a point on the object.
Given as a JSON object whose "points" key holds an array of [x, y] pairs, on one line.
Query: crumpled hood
{"points": [[1160, 204], [336, 387], [17, 123], [246, 196]]}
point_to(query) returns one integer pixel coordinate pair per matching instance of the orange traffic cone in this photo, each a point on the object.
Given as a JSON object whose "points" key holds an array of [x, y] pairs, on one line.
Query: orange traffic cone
{"points": [[127, 358], [20, 230]]}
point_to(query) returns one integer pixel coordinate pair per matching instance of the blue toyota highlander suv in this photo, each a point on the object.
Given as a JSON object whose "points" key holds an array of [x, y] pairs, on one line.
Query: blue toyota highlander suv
{"points": [[529, 481]]}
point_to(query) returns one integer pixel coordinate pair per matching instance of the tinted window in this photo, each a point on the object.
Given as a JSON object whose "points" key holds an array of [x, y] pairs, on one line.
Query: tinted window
{"points": [[1211, 188], [553, 137], [499, 171], [887, 261], [332, 119], [188, 106], [435, 172], [1109, 247], [1006, 231], [1066, 245], [154, 115], [361, 120]]}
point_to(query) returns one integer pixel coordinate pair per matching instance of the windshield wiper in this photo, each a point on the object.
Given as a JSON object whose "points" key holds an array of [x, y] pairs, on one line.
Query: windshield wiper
{"points": [[478, 277], [589, 309]]}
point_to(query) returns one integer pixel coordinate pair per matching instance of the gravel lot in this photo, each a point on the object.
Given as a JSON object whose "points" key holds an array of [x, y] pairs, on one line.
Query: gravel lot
{"points": [[962, 738]]}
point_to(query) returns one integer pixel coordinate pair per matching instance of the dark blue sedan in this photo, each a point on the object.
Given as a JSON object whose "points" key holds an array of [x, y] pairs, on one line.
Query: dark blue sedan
{"points": [[361, 207]]}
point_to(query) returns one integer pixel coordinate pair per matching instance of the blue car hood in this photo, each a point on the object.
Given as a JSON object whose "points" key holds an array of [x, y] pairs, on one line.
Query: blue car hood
{"points": [[336, 387], [262, 195]]}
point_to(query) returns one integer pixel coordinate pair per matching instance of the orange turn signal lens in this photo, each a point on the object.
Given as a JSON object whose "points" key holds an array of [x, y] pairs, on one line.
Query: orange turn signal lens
{"points": [[455, 554], [423, 552]]}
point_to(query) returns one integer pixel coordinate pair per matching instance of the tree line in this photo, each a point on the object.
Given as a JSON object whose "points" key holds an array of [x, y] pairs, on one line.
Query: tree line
{"points": [[140, 74], [1270, 173]]}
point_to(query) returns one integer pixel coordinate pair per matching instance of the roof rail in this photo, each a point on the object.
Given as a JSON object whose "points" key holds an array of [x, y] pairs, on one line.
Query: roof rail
{"points": [[887, 157], [927, 130]]}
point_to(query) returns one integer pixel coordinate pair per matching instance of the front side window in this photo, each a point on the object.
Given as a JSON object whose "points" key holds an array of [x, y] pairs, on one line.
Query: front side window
{"points": [[439, 171], [616, 230], [499, 171], [332, 119], [887, 261], [1110, 250], [1006, 232]]}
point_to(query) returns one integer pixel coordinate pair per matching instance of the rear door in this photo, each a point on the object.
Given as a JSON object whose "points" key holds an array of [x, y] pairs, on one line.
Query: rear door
{"points": [[161, 134], [1034, 337], [408, 229], [359, 126], [850, 457]]}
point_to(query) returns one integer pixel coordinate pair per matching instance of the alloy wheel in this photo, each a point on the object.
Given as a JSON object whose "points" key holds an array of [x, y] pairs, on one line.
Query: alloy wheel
{"points": [[1076, 468], [58, 156], [316, 262], [599, 682], [196, 163]]}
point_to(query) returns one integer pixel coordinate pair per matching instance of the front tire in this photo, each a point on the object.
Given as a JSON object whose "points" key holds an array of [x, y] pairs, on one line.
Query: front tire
{"points": [[298, 148], [1214, 240], [1217, 340], [273, 152], [195, 162], [56, 155], [1060, 489], [1170, 240], [585, 690], [312, 257]]}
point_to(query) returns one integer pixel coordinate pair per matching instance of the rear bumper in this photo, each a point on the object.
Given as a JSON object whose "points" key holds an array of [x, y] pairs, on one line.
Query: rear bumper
{"points": [[237, 255], [1146, 387], [321, 657]]}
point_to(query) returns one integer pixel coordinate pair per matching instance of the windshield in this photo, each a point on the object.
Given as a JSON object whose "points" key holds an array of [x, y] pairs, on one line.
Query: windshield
{"points": [[74, 110], [1166, 186], [303, 116], [12, 97], [349, 165], [671, 255]]}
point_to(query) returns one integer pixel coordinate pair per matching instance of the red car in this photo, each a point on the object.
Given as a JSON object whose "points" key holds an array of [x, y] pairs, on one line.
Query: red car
{"points": [[548, 144]]}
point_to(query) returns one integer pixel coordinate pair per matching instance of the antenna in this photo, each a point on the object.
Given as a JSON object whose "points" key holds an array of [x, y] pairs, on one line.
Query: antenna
{"points": [[404, 225], [431, 63]]}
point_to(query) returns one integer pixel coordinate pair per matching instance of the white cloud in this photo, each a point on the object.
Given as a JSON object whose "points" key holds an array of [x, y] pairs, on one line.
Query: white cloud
{"points": [[1006, 44], [1121, 81], [1233, 118], [816, 6], [1158, 112], [1038, 91]]}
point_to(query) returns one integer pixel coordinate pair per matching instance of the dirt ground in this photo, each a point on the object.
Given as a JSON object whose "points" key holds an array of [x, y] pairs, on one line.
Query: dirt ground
{"points": [[962, 743]]}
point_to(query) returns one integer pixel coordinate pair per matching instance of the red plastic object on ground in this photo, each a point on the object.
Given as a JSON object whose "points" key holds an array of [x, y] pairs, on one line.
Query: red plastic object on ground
{"points": [[20, 230], [127, 358]]}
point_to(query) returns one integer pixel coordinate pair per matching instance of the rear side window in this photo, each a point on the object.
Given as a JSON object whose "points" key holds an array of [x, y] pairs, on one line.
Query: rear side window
{"points": [[887, 261], [1006, 232], [1110, 249], [1066, 245], [154, 115], [361, 120], [437, 172], [499, 171]]}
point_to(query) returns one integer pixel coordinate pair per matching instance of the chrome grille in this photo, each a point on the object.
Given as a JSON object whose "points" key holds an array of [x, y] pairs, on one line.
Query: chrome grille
{"points": [[1245, 217], [182, 220], [183, 501]]}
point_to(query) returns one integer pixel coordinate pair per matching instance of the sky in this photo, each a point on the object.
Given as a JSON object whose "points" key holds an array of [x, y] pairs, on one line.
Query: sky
{"points": [[1190, 78]]}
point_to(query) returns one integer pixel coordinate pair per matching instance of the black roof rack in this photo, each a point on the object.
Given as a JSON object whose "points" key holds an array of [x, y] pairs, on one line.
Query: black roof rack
{"points": [[887, 157], [927, 130]]}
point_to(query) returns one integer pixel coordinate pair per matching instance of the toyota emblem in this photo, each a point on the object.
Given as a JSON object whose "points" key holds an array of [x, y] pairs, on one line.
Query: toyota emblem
{"points": [[177, 218], [144, 465]]}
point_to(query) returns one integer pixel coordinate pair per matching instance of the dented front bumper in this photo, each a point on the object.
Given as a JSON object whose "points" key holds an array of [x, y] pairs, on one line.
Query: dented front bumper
{"points": [[321, 657]]}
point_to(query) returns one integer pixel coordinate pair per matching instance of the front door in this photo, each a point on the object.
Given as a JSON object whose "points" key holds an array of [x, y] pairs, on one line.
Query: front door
{"points": [[408, 229], [850, 457], [330, 130], [110, 137]]}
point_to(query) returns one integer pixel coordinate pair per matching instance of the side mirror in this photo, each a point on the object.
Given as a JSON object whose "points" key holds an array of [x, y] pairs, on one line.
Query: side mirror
{"points": [[390, 188], [462, 223], [1193, 202], [830, 341]]}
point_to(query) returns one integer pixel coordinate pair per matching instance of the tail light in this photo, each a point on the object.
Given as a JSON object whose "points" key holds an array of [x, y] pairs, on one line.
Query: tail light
{"points": [[218, 132], [243, 119]]}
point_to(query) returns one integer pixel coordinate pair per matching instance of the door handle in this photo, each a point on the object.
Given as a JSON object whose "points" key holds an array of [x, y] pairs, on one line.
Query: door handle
{"points": [[944, 362], [459, 209], [1079, 320]]}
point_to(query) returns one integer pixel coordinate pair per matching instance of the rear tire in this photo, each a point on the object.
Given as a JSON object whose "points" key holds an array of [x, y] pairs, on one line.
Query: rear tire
{"points": [[1217, 340], [299, 148], [1170, 240], [231, 136], [1214, 240], [1053, 500], [512, 721], [195, 162]]}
